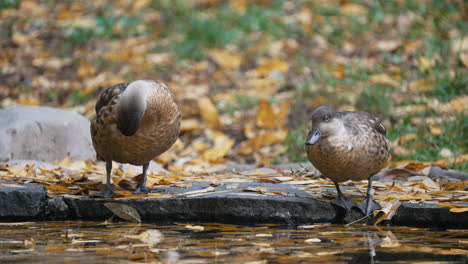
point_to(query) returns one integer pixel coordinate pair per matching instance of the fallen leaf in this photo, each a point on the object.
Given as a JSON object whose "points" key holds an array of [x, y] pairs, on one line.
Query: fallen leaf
{"points": [[273, 65], [226, 60], [124, 211], [150, 236], [59, 188], [209, 112], [421, 86], [195, 227], [351, 9], [459, 209], [435, 129], [464, 58], [388, 45], [383, 79], [387, 212]]}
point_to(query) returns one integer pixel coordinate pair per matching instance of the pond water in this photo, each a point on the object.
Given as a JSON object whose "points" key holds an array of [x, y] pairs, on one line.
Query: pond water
{"points": [[93, 242]]}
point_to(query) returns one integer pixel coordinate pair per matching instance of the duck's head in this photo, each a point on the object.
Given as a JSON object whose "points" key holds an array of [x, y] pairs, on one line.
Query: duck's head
{"points": [[325, 122]]}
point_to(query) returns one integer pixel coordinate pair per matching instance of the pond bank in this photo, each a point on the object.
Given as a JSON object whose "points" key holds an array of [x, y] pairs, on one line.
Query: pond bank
{"points": [[203, 202]]}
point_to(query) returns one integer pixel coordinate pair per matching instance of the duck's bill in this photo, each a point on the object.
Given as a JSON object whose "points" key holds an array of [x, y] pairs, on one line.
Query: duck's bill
{"points": [[314, 136]]}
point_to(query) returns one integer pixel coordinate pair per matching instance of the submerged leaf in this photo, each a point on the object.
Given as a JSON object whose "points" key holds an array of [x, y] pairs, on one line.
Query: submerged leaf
{"points": [[124, 211]]}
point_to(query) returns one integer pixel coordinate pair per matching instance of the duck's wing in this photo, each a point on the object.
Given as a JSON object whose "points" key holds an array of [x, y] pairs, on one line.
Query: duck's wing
{"points": [[105, 98], [354, 120], [373, 122]]}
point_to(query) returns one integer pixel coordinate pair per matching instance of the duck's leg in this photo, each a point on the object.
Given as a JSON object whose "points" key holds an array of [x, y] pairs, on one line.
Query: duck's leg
{"points": [[109, 189], [142, 185], [368, 205], [342, 201]]}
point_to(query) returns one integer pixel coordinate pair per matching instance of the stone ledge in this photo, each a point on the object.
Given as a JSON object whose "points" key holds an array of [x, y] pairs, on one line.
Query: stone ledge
{"points": [[30, 202]]}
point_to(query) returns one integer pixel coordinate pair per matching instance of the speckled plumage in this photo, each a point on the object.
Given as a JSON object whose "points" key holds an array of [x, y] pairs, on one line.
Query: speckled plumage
{"points": [[155, 131], [357, 152], [351, 145]]}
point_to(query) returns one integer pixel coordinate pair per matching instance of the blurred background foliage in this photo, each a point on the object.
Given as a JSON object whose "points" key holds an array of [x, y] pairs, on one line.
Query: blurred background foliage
{"points": [[248, 74]]}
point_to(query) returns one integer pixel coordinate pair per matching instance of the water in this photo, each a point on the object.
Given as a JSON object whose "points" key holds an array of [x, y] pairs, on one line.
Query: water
{"points": [[93, 242]]}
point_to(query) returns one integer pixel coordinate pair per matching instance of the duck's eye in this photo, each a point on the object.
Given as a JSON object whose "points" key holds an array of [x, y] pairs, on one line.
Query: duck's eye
{"points": [[326, 118]]}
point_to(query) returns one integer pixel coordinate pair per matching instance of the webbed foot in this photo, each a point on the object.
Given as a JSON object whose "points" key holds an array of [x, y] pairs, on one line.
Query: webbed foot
{"points": [[345, 203], [141, 189], [368, 205], [108, 192]]}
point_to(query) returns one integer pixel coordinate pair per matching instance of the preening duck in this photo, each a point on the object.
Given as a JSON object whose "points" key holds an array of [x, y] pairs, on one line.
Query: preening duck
{"points": [[135, 122]]}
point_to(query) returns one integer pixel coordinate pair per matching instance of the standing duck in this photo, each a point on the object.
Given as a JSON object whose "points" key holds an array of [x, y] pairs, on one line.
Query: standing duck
{"points": [[348, 146], [135, 122]]}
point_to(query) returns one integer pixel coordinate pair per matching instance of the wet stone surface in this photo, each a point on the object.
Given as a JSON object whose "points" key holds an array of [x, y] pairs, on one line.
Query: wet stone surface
{"points": [[226, 203]]}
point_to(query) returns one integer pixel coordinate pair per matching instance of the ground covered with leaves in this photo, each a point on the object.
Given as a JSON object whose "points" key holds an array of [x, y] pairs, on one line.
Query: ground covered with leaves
{"points": [[247, 74]]}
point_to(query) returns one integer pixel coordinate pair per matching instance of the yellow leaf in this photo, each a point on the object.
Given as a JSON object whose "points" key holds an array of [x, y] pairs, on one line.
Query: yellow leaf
{"points": [[139, 4], [66, 162], [271, 66], [459, 104], [464, 58], [421, 86], [459, 209], [450, 161], [353, 9], [58, 188], [268, 118], [67, 14], [238, 5], [338, 72], [383, 79], [209, 112], [86, 69], [435, 129], [388, 45], [195, 227], [408, 137], [412, 46], [191, 124], [219, 151], [226, 60], [425, 63], [265, 114]]}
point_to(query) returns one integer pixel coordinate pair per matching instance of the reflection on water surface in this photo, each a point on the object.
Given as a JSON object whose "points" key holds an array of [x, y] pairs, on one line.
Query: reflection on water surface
{"points": [[92, 242]]}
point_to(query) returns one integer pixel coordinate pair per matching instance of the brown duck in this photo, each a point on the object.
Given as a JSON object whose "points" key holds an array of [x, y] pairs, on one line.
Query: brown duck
{"points": [[348, 146], [135, 122]]}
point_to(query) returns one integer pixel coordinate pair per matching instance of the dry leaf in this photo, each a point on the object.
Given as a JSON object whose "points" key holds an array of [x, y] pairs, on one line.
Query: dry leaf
{"points": [[435, 129], [209, 112], [313, 240], [383, 79], [59, 188], [124, 211], [421, 86], [388, 45], [226, 60], [195, 227], [219, 150], [464, 58], [387, 212], [459, 209], [150, 236], [353, 9], [273, 65]]}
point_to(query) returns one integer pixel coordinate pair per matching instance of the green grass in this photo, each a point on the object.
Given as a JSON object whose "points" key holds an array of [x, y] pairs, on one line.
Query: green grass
{"points": [[4, 4]]}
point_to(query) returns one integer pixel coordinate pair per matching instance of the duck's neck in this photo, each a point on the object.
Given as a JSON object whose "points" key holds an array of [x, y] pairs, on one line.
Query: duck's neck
{"points": [[132, 106]]}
